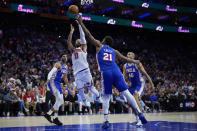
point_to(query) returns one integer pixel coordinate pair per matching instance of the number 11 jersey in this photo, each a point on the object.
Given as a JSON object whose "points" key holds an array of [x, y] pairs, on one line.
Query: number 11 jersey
{"points": [[79, 60]]}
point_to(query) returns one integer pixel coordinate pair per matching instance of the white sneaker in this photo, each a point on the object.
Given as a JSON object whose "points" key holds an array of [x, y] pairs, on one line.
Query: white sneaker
{"points": [[21, 114], [139, 124], [26, 110]]}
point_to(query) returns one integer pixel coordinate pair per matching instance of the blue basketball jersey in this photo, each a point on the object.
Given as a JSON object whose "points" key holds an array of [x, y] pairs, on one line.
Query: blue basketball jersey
{"points": [[106, 58], [60, 73], [133, 74]]}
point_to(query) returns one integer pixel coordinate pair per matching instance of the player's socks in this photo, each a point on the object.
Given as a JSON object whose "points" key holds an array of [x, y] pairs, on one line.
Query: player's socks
{"points": [[49, 112], [106, 117], [55, 115], [137, 119]]}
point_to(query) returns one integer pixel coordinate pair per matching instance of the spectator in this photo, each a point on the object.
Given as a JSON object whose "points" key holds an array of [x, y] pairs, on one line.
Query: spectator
{"points": [[154, 102], [73, 102], [29, 102], [65, 106], [12, 103]]}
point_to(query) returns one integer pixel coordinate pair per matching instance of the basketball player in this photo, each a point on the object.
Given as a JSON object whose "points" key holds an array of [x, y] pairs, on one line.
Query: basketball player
{"points": [[57, 73], [111, 74], [132, 72], [82, 75]]}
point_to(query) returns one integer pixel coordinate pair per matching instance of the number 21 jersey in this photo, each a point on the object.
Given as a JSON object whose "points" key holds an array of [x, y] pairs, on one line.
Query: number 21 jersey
{"points": [[106, 58]]}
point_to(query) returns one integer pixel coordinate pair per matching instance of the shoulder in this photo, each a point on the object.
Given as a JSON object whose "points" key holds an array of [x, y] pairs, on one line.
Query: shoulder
{"points": [[124, 66], [58, 65]]}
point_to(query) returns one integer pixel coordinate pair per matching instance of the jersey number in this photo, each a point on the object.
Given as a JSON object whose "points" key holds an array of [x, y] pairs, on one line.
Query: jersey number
{"points": [[76, 56], [107, 57], [131, 75]]}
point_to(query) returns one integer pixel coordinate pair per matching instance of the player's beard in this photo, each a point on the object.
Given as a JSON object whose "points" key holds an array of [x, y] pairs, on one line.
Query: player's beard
{"points": [[64, 60]]}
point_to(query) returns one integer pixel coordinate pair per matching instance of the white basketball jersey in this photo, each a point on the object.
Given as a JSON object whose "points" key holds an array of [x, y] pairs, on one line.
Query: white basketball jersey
{"points": [[79, 60]]}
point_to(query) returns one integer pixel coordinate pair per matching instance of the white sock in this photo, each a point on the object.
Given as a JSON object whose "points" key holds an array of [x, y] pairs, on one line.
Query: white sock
{"points": [[131, 100], [49, 112], [105, 104], [137, 118], [55, 115], [106, 117]]}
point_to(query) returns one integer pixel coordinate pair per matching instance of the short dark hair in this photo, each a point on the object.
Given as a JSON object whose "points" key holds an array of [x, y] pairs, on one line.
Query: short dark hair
{"points": [[108, 40], [61, 55]]}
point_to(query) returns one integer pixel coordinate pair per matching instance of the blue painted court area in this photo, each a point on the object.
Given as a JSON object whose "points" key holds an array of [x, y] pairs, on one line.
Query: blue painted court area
{"points": [[151, 126]]}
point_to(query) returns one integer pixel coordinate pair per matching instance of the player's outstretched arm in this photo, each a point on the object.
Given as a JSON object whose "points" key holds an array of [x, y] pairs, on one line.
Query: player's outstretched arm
{"points": [[121, 57], [69, 41], [124, 72], [140, 66], [88, 34], [82, 38]]}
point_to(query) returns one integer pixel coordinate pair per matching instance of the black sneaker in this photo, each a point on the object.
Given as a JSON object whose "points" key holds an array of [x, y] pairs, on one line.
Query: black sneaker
{"points": [[57, 122], [48, 117], [105, 125]]}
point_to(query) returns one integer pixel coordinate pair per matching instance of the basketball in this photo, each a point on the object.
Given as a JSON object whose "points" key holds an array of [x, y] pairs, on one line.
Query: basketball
{"points": [[73, 9]]}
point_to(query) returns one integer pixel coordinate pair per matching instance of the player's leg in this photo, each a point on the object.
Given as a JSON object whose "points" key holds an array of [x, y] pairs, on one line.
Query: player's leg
{"points": [[105, 105], [49, 113], [136, 96], [83, 97], [122, 87], [106, 84], [59, 101], [91, 87], [81, 82], [138, 92], [58, 93]]}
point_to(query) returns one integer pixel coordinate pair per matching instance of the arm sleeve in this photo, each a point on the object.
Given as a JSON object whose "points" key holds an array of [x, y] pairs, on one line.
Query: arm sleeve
{"points": [[54, 69], [82, 35]]}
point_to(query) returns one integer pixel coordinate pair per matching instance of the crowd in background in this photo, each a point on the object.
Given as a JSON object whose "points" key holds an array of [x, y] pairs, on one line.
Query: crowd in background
{"points": [[28, 52]]}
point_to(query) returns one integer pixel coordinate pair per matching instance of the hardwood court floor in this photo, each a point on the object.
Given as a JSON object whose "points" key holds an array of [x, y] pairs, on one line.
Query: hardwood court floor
{"points": [[175, 121]]}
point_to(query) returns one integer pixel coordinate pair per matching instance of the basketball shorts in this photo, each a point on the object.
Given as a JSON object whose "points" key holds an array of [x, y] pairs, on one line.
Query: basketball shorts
{"points": [[83, 79], [137, 89], [55, 88], [112, 77]]}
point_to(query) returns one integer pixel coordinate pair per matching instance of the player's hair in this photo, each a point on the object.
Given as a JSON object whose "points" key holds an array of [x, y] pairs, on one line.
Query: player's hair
{"points": [[131, 53], [77, 44], [61, 56], [108, 40]]}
